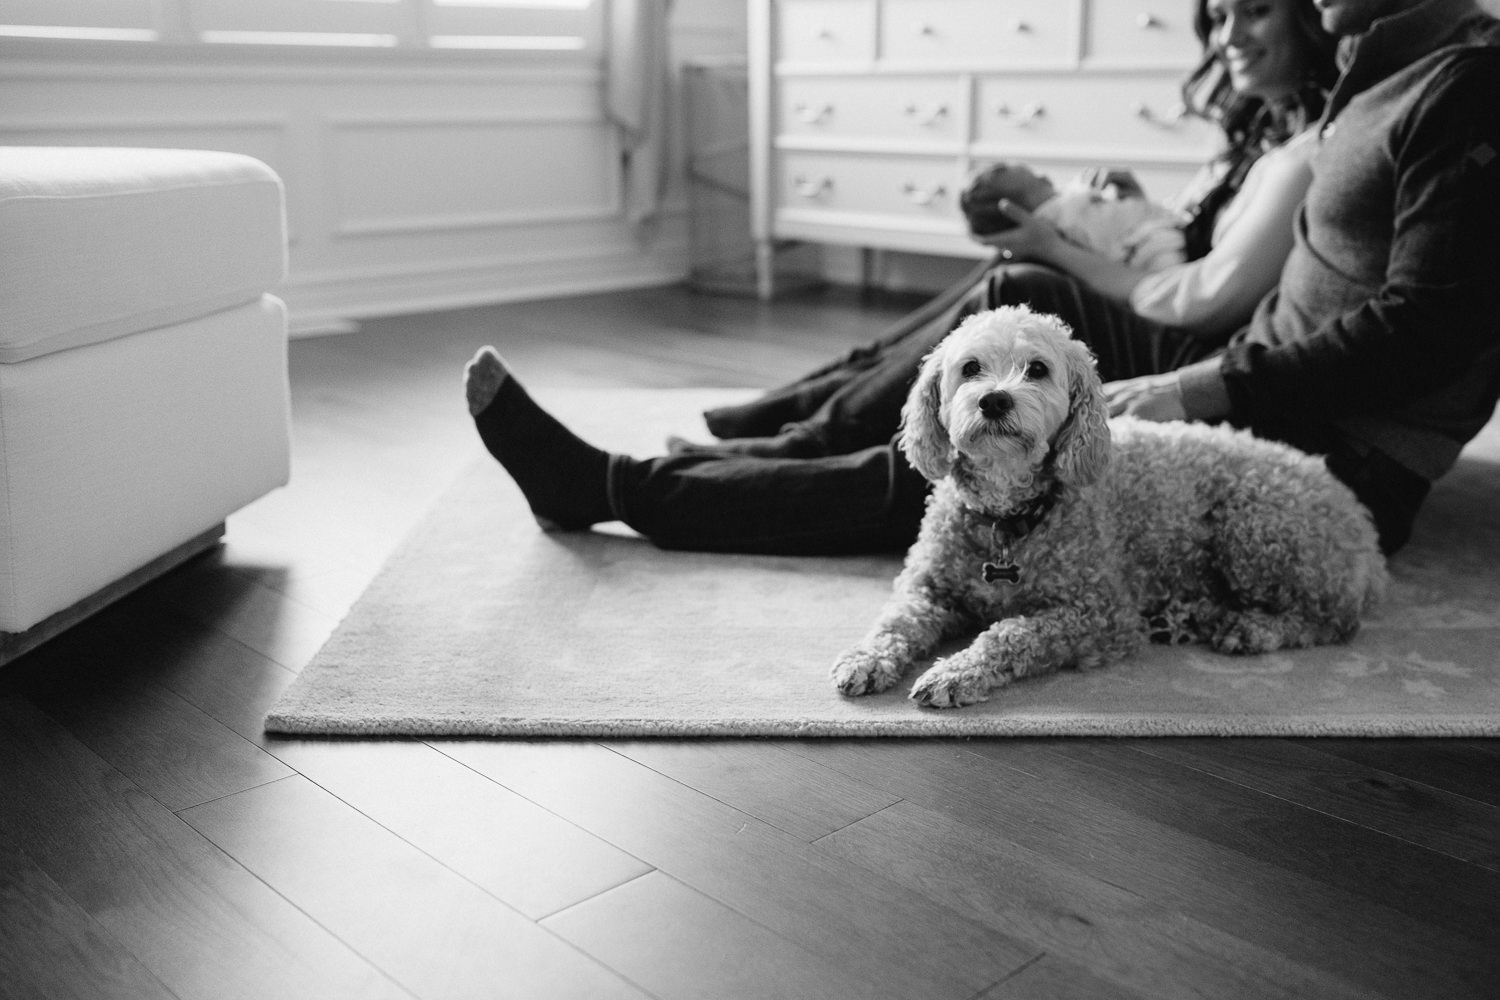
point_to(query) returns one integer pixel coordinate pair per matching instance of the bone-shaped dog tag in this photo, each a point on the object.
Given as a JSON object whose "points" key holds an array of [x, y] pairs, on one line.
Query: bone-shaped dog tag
{"points": [[1008, 572]]}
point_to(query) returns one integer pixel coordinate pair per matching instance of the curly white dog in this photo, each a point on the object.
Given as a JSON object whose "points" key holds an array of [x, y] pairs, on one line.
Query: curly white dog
{"points": [[1069, 549]]}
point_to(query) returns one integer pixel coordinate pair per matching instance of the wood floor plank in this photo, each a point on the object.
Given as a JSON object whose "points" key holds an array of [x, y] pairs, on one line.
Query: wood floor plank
{"points": [[1118, 935], [51, 950], [1455, 766], [97, 683], [762, 778], [241, 607], [200, 923], [985, 784], [847, 916], [434, 932], [312, 516], [1051, 978], [219, 676], [681, 945], [1462, 899], [166, 746], [518, 852], [1419, 814], [141, 643], [264, 555]]}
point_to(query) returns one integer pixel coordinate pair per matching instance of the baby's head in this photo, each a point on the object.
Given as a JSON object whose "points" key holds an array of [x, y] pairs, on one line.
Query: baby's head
{"points": [[1012, 181], [1017, 182]]}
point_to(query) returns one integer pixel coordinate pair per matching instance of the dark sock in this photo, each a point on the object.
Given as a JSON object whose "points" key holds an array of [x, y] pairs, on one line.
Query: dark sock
{"points": [[563, 477]]}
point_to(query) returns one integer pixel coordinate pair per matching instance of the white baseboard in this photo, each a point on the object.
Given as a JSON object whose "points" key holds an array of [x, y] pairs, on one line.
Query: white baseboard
{"points": [[331, 302]]}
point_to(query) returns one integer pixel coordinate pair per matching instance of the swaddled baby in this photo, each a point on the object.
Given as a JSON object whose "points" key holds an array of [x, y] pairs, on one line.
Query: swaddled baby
{"points": [[1126, 227]]}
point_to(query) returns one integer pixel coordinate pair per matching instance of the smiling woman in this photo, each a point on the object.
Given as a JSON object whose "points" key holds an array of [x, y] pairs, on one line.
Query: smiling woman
{"points": [[1261, 44]]}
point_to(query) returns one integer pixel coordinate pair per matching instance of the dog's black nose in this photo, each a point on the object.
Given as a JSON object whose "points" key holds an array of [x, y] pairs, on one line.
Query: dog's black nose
{"points": [[995, 404]]}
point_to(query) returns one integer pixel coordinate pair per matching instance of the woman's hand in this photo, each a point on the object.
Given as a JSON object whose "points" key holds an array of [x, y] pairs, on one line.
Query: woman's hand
{"points": [[1029, 239], [1034, 239], [1149, 397]]}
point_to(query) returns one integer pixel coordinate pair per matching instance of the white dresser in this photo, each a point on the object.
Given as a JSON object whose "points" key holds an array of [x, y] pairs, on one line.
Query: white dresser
{"points": [[868, 116]]}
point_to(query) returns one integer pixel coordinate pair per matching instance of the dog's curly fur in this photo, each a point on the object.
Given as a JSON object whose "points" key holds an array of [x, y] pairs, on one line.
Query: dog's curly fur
{"points": [[1176, 532]]}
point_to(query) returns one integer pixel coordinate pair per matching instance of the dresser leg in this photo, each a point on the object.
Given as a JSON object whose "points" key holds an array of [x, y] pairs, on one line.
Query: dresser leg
{"points": [[765, 269]]}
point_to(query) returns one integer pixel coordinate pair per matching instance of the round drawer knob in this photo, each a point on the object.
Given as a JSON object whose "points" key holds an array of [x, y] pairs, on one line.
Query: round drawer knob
{"points": [[1019, 26], [1147, 20]]}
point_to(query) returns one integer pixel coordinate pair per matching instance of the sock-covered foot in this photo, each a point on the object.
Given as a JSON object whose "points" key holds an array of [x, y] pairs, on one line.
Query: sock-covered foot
{"points": [[562, 476]]}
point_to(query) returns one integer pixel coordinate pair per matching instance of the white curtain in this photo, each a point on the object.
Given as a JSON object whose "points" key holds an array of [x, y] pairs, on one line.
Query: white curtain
{"points": [[637, 93]]}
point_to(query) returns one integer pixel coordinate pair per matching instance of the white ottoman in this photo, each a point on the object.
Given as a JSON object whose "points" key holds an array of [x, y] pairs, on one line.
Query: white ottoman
{"points": [[143, 384]]}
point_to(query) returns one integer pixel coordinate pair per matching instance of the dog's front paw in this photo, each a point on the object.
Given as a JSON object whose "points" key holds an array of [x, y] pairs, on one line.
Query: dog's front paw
{"points": [[865, 670], [947, 686]]}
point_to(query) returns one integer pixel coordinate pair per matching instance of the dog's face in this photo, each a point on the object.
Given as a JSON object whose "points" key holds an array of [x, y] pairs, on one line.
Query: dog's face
{"points": [[1011, 394], [1003, 389]]}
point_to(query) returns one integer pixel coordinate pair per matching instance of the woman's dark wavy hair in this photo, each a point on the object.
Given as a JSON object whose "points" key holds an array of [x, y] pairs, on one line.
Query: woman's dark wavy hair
{"points": [[1250, 126]]}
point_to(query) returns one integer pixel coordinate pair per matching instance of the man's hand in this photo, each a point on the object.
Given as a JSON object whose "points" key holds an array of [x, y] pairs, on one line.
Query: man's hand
{"points": [[1149, 397]]}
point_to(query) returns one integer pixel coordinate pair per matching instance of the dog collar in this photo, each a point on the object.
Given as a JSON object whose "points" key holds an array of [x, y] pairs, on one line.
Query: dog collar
{"points": [[1008, 529]]}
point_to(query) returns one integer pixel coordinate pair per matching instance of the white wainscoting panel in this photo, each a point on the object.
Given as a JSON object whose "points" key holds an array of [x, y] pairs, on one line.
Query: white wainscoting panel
{"points": [[399, 174], [415, 180]]}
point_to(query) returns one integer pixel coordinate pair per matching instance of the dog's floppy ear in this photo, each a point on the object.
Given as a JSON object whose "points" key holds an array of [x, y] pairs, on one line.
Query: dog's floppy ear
{"points": [[924, 439], [1081, 448]]}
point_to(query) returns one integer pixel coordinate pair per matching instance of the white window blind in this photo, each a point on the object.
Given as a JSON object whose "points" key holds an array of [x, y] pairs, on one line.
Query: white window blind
{"points": [[516, 25], [556, 25], [121, 20]]}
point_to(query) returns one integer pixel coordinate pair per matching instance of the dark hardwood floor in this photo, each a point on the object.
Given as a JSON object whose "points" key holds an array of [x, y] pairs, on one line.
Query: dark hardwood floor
{"points": [[154, 843]]}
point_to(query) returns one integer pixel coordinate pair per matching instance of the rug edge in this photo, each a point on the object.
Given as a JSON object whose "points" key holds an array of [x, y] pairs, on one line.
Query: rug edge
{"points": [[1374, 727]]}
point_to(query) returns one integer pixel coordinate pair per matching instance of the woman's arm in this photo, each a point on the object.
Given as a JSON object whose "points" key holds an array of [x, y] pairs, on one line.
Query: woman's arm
{"points": [[1216, 294]]}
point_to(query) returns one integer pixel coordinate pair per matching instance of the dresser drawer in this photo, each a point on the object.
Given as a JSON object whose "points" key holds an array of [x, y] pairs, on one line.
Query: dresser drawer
{"points": [[825, 31], [1118, 115], [905, 188], [904, 109], [1142, 32], [1000, 32]]}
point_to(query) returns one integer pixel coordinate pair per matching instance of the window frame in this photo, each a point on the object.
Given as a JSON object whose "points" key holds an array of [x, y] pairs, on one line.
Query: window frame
{"points": [[552, 28]]}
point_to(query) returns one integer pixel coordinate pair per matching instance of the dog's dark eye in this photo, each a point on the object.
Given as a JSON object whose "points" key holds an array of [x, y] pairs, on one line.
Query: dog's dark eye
{"points": [[1038, 370], [971, 369]]}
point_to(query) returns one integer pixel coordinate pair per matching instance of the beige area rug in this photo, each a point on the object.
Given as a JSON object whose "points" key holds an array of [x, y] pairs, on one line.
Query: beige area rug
{"points": [[480, 624]]}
